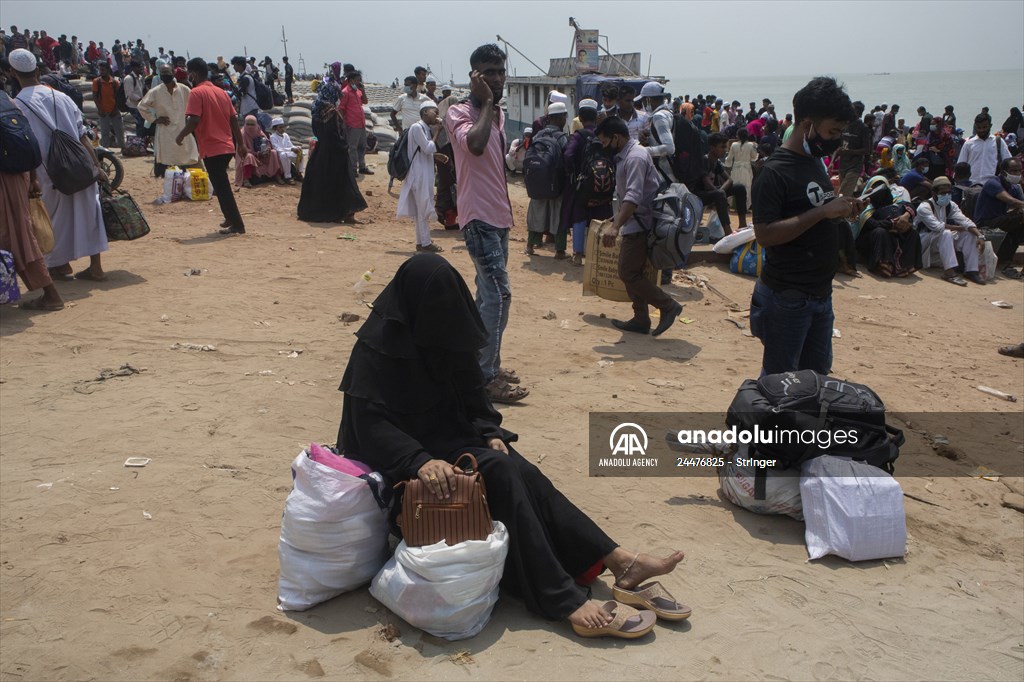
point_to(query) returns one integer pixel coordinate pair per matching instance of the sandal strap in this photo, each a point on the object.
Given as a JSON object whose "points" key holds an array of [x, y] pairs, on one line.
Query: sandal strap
{"points": [[653, 591], [621, 614]]}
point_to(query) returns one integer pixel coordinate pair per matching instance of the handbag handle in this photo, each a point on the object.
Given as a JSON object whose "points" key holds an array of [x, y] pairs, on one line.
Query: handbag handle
{"points": [[472, 459]]}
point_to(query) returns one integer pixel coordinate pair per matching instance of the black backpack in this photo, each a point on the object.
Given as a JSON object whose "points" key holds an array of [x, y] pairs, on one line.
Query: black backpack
{"points": [[691, 147], [58, 83], [68, 163], [804, 413], [595, 172], [121, 98], [544, 166], [676, 213], [970, 200], [19, 148], [264, 96], [398, 158]]}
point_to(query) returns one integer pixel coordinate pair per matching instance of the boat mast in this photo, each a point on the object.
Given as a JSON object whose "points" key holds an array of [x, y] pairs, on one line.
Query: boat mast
{"points": [[510, 45]]}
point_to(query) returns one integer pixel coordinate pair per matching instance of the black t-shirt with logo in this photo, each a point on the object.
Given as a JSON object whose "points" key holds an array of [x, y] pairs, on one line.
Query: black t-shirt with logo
{"points": [[789, 185]]}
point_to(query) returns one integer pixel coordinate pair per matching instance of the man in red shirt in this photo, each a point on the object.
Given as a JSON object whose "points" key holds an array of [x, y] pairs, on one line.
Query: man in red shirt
{"points": [[353, 97], [104, 93], [211, 116]]}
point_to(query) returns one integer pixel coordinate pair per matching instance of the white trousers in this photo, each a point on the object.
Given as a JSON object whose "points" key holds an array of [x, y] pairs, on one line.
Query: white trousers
{"points": [[286, 156], [945, 244]]}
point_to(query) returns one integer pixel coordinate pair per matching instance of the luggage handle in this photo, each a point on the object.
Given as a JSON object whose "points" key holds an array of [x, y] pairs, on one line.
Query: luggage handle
{"points": [[466, 472]]}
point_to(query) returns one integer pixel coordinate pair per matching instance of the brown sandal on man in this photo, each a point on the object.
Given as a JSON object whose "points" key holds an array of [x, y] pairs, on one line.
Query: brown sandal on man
{"points": [[627, 623], [500, 391], [40, 303], [508, 375], [653, 597]]}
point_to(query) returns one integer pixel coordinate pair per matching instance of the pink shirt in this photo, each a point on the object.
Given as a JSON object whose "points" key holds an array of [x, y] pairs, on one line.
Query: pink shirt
{"points": [[351, 107], [483, 191]]}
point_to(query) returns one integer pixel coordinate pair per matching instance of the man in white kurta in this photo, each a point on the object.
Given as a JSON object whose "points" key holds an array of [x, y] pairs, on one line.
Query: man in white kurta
{"points": [[417, 198], [77, 218], [164, 106], [944, 230]]}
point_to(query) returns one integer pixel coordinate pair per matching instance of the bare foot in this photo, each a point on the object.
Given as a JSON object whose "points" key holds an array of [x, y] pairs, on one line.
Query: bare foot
{"points": [[590, 615], [645, 567]]}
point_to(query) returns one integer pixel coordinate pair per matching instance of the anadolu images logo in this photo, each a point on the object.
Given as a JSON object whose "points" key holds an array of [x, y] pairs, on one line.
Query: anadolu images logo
{"points": [[628, 439]]}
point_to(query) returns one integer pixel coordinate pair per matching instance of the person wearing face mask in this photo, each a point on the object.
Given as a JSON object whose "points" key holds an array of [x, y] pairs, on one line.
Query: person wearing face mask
{"points": [[659, 142], [636, 184], [408, 105], [983, 151], [797, 218], [916, 179], [1001, 206], [164, 106], [945, 230]]}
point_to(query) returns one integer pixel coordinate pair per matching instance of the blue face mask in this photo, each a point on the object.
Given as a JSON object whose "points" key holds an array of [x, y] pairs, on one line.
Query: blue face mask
{"points": [[944, 199]]}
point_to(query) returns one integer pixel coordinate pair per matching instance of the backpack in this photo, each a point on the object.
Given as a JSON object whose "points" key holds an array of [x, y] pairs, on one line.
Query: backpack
{"points": [[19, 148], [595, 174], [691, 147], [677, 212], [121, 98], [804, 414], [398, 158], [278, 97], [970, 200], [68, 163], [264, 97], [58, 83], [544, 166]]}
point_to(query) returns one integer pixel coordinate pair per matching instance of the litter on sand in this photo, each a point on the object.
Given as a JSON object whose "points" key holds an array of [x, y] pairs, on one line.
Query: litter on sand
{"points": [[836, 334], [137, 461], [1002, 304], [985, 474], [997, 393], [193, 346]]}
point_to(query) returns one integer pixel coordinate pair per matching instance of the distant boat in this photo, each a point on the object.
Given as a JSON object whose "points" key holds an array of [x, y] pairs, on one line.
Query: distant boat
{"points": [[881, 73]]}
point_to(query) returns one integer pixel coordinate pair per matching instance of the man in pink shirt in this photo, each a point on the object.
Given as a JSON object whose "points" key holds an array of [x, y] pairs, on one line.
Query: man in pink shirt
{"points": [[353, 97], [476, 130]]}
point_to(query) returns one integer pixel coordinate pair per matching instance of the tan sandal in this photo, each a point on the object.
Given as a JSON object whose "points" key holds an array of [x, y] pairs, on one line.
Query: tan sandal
{"points": [[655, 598], [500, 391], [627, 623]]}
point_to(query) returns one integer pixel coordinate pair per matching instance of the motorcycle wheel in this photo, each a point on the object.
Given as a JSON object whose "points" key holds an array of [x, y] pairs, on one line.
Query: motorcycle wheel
{"points": [[112, 167]]}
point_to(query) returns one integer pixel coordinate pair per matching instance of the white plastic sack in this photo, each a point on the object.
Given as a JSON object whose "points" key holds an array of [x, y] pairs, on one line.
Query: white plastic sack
{"points": [[729, 242], [782, 488], [446, 591], [989, 263], [852, 509], [334, 536], [174, 185]]}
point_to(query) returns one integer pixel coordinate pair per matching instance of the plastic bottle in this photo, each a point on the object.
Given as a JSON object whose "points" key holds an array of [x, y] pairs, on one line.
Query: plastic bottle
{"points": [[363, 281]]}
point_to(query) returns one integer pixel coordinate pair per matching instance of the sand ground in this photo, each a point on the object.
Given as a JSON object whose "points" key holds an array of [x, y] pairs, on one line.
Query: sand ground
{"points": [[169, 571]]}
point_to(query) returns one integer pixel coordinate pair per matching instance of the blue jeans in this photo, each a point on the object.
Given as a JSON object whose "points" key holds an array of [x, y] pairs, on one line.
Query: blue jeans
{"points": [[579, 237], [795, 329], [488, 247]]}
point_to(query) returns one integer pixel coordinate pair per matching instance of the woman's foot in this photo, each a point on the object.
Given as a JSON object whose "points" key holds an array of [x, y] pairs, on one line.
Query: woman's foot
{"points": [[632, 568], [590, 615], [247, 185]]}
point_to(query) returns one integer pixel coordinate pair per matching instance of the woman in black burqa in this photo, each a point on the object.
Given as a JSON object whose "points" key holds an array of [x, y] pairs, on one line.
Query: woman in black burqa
{"points": [[415, 401]]}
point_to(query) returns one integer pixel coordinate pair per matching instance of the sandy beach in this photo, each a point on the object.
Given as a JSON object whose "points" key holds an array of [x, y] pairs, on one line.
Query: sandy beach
{"points": [[170, 571]]}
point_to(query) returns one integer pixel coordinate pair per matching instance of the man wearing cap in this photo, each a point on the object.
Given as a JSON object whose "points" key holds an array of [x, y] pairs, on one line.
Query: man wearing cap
{"points": [[577, 211], [544, 216], [660, 144], [287, 153], [417, 197], [431, 92], [636, 184], [353, 97], [76, 218], [945, 230], [164, 106], [517, 151], [553, 97], [476, 130]]}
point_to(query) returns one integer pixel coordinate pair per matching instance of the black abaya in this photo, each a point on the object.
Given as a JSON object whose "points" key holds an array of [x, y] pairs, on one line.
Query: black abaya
{"points": [[414, 392], [329, 190]]}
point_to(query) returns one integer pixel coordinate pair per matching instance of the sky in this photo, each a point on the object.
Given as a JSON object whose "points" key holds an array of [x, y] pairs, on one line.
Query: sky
{"points": [[710, 39]]}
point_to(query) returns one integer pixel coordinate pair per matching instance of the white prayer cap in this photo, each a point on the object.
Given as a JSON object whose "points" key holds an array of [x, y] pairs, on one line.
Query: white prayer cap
{"points": [[431, 79], [277, 122], [588, 104], [22, 61], [557, 108], [557, 96], [429, 104], [447, 86], [528, 130]]}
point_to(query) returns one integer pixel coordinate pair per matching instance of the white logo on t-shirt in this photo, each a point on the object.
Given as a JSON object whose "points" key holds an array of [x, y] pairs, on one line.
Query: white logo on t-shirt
{"points": [[815, 193]]}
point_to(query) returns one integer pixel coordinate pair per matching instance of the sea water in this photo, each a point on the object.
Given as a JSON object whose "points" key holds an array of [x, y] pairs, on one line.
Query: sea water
{"points": [[967, 91]]}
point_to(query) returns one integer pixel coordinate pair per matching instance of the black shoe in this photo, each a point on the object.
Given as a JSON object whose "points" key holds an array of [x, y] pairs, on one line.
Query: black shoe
{"points": [[631, 326], [232, 230], [1012, 272], [974, 277], [366, 171], [667, 318]]}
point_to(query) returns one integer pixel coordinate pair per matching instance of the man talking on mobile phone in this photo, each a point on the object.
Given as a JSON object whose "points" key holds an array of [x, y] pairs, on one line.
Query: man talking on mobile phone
{"points": [[797, 218]]}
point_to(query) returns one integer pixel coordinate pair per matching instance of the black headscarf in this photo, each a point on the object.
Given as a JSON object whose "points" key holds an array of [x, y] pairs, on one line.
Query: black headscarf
{"points": [[424, 330], [1014, 122]]}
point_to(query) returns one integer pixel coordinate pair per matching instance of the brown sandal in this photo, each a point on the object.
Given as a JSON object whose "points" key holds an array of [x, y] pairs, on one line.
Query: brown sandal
{"points": [[654, 597], [500, 391], [627, 623], [508, 375]]}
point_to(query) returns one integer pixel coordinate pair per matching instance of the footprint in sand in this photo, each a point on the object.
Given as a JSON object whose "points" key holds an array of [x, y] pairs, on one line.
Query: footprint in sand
{"points": [[269, 625]]}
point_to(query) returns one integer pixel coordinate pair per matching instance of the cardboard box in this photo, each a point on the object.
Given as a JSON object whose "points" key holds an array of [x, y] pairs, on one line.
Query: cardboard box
{"points": [[601, 269]]}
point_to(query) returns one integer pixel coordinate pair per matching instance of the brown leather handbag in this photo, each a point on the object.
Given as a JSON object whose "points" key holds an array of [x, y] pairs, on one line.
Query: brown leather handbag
{"points": [[427, 520]]}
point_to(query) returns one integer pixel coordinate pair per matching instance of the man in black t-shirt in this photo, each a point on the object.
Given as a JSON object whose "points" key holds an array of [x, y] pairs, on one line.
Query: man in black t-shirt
{"points": [[856, 146], [797, 218]]}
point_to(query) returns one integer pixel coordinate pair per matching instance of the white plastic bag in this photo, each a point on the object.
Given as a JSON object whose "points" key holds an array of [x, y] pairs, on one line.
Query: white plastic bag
{"points": [[174, 185], [782, 488], [729, 242], [852, 509], [989, 261], [334, 536], [446, 591]]}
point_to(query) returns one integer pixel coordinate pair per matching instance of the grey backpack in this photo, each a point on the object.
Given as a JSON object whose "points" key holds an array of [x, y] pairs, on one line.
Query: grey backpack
{"points": [[677, 212]]}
